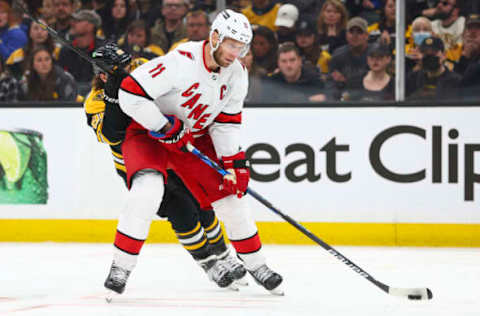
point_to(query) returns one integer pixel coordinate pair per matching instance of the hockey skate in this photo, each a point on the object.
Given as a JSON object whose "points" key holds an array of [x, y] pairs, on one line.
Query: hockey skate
{"points": [[235, 267], [268, 278], [116, 281], [218, 272]]}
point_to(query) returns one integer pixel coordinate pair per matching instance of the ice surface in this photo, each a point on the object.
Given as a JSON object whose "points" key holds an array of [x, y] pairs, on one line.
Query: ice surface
{"points": [[67, 279]]}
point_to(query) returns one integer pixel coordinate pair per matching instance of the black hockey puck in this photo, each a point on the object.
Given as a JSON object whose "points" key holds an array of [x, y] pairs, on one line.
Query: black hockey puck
{"points": [[414, 297]]}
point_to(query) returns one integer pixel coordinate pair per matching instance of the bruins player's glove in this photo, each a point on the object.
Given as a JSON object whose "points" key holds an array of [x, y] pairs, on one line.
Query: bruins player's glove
{"points": [[177, 137], [113, 84], [236, 182]]}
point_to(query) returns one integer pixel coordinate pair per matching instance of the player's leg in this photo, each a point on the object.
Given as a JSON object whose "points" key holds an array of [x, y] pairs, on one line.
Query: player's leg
{"points": [[182, 212], [145, 163], [204, 183]]}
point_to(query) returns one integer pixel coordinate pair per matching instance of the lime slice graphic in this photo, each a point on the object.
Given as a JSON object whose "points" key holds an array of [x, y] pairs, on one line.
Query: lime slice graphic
{"points": [[14, 155]]}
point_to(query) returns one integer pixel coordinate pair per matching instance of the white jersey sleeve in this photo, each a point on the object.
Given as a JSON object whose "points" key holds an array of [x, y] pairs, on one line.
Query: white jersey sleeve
{"points": [[146, 83], [226, 128]]}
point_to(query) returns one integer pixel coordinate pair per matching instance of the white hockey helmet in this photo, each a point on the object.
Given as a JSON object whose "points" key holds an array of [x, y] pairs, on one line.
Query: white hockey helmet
{"points": [[233, 25]]}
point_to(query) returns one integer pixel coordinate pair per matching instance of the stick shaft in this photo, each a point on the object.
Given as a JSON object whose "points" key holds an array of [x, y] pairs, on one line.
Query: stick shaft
{"points": [[294, 223]]}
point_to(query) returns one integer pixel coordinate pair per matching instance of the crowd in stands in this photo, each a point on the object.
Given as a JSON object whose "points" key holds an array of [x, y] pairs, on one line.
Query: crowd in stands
{"points": [[302, 50]]}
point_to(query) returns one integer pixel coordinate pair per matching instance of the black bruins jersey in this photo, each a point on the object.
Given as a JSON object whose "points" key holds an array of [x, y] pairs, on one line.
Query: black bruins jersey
{"points": [[110, 128]]}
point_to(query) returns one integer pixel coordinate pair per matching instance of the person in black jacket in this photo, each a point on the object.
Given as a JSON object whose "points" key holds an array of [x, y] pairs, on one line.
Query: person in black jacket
{"points": [[433, 81], [295, 82]]}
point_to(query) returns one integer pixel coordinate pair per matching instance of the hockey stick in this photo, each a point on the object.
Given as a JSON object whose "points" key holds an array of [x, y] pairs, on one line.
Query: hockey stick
{"points": [[62, 40], [410, 293]]}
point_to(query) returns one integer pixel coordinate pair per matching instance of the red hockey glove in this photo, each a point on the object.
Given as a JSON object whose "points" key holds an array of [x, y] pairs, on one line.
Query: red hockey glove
{"points": [[176, 137], [239, 168]]}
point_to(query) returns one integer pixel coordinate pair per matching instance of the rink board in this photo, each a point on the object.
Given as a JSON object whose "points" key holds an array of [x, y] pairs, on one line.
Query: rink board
{"points": [[373, 176]]}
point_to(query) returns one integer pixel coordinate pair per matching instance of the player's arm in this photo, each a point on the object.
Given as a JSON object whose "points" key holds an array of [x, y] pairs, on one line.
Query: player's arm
{"points": [[143, 86], [225, 134], [94, 107]]}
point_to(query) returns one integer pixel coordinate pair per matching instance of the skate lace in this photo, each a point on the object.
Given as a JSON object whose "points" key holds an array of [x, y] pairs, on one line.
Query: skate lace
{"points": [[262, 273], [118, 275], [218, 270], [231, 262]]}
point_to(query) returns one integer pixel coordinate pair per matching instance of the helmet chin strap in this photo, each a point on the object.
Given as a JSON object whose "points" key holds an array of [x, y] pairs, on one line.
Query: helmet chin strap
{"points": [[214, 49]]}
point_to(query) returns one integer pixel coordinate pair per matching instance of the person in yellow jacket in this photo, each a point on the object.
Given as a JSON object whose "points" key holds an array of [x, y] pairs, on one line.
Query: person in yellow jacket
{"points": [[262, 12]]}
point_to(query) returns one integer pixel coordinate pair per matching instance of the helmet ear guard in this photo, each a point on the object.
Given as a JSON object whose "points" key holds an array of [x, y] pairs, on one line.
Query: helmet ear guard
{"points": [[112, 56]]}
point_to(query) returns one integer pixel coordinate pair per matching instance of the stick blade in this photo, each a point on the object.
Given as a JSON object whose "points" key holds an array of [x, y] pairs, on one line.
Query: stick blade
{"points": [[414, 294]]}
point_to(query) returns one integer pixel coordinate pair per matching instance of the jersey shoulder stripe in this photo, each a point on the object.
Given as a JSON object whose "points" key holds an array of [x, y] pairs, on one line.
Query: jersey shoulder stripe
{"points": [[130, 85]]}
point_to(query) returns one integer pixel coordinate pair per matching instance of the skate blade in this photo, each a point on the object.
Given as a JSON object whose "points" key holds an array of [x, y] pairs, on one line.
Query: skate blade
{"points": [[110, 296], [278, 291], [233, 287], [243, 281]]}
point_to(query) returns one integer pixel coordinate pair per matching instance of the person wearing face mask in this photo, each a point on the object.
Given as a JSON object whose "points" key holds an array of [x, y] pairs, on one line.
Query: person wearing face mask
{"points": [[421, 30], [433, 81], [449, 25]]}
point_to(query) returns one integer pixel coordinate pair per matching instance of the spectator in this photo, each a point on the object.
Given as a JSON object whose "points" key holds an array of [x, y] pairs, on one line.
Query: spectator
{"points": [[285, 23], [9, 86], [375, 84], [115, 20], [349, 60], [449, 26], [309, 9], [45, 81], [295, 82], [171, 29], [63, 16], [198, 27], [37, 36], [416, 8], [331, 25], [255, 74], [421, 30], [137, 41], [306, 40], [48, 12], [12, 37], [84, 27], [264, 46], [469, 64], [262, 12], [433, 81], [385, 28], [366, 9]]}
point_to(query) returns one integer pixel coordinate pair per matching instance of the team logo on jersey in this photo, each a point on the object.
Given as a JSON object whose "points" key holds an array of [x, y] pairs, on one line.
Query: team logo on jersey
{"points": [[197, 109]]}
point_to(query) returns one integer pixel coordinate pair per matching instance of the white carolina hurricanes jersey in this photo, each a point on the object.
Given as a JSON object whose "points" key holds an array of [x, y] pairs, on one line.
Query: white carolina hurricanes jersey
{"points": [[180, 84]]}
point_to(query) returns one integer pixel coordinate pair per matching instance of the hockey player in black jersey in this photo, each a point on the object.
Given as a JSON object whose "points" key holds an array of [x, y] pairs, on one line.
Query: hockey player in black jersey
{"points": [[197, 230]]}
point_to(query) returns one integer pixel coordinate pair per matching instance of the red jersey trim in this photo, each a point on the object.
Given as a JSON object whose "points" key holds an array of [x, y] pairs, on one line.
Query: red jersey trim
{"points": [[229, 118], [247, 245], [130, 85], [128, 244]]}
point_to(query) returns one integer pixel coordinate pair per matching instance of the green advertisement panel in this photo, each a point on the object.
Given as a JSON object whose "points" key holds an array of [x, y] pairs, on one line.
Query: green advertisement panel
{"points": [[23, 167]]}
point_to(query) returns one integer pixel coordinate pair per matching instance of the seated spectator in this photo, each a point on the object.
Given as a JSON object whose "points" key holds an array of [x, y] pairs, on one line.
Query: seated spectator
{"points": [[198, 27], [416, 8], [295, 82], [63, 16], [306, 41], [385, 28], [433, 81], [48, 12], [12, 37], [285, 23], [115, 20], [331, 25], [9, 86], [137, 41], [376, 84], [469, 63], [421, 30], [37, 36], [449, 26], [84, 27], [264, 47], [44, 81], [262, 12], [308, 9], [170, 28], [349, 60]]}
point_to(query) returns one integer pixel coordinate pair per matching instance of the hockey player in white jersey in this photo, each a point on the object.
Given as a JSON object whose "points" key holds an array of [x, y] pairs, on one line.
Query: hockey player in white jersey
{"points": [[193, 94]]}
